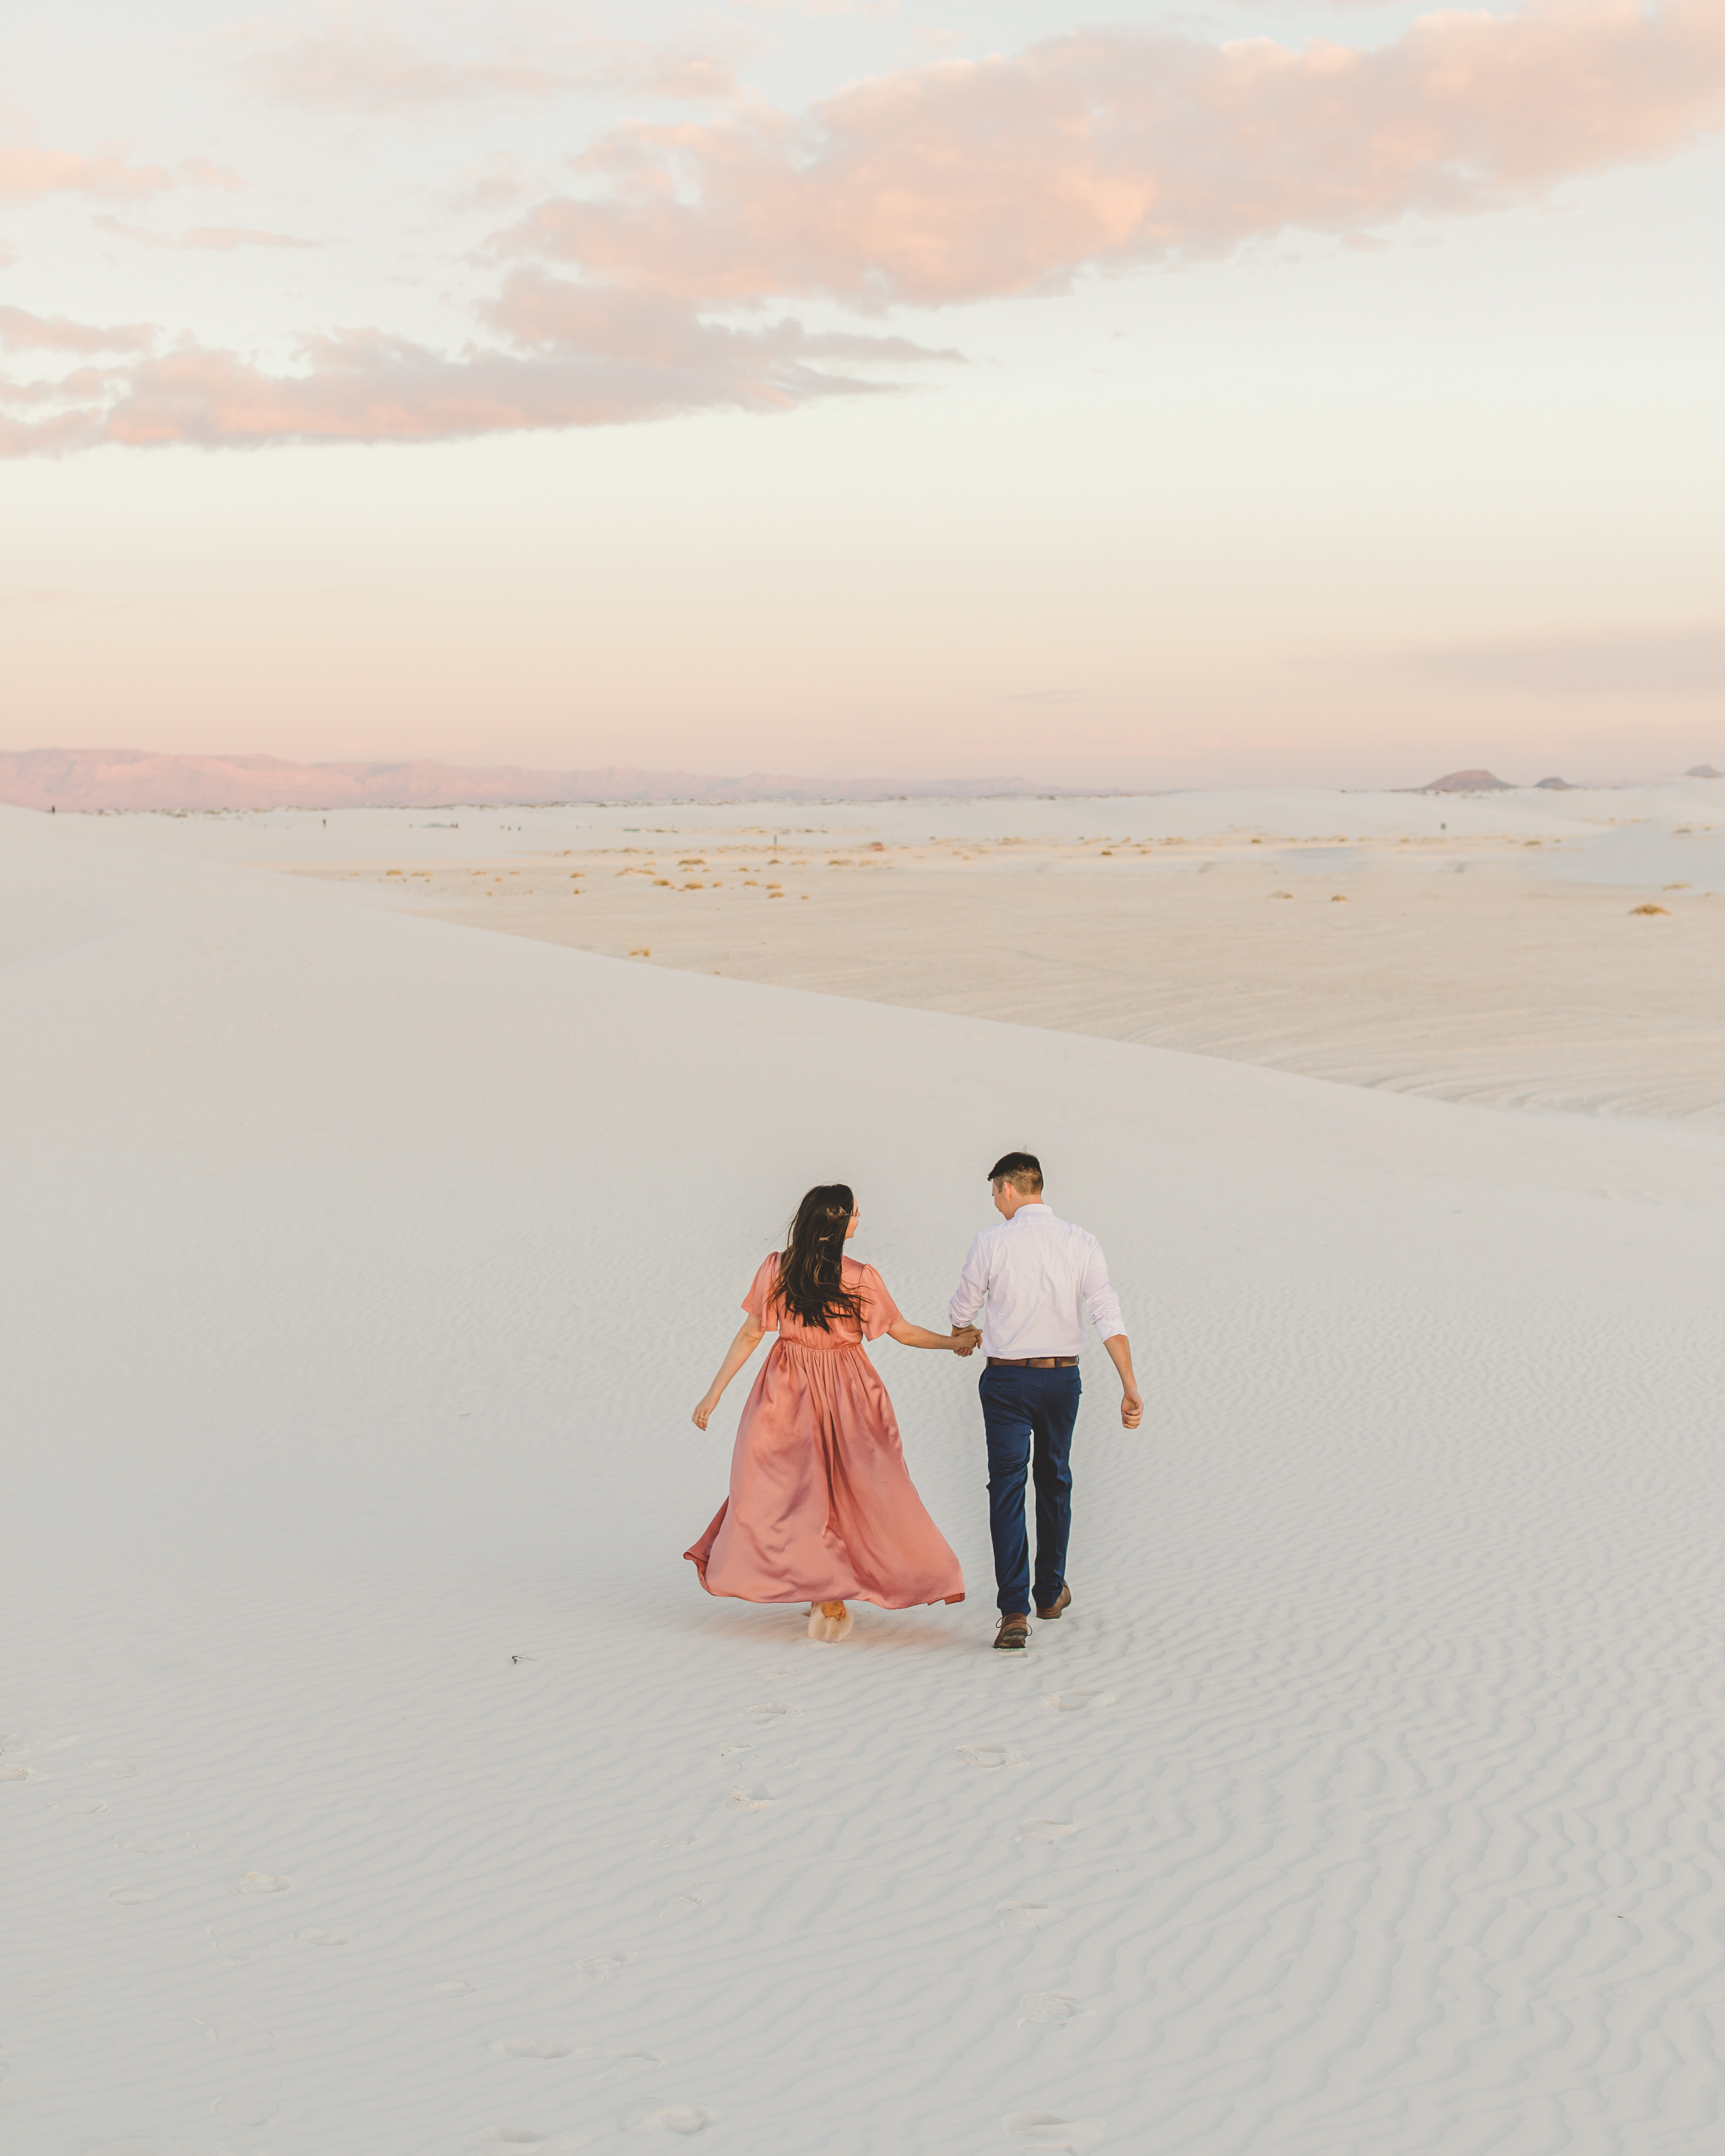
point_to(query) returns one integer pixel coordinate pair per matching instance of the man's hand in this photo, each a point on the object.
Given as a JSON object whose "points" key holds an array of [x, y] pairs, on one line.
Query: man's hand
{"points": [[970, 1337], [1132, 1400]]}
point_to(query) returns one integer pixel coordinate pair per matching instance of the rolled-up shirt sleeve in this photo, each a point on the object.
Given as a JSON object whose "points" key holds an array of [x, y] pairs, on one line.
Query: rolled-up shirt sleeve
{"points": [[1100, 1299], [966, 1306]]}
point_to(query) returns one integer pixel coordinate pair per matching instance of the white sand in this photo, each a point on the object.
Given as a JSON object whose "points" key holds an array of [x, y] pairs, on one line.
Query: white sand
{"points": [[1349, 937], [1365, 1803]]}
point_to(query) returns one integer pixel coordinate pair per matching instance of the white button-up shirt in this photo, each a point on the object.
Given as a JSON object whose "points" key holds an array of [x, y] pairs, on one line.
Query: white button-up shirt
{"points": [[1038, 1276]]}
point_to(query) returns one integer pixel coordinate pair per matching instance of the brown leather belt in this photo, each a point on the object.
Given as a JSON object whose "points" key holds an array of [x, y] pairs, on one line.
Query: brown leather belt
{"points": [[1033, 1362]]}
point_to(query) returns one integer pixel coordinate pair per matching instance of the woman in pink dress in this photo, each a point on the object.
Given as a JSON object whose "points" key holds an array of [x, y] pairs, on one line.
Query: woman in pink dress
{"points": [[822, 1508]]}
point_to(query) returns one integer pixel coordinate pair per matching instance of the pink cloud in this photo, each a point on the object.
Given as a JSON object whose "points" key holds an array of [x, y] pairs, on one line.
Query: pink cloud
{"points": [[951, 182], [205, 173], [22, 331], [965, 181], [203, 239], [598, 359], [29, 173], [350, 64], [647, 330]]}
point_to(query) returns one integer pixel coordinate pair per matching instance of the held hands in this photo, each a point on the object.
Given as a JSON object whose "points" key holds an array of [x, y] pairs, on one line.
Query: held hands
{"points": [[966, 1338]]}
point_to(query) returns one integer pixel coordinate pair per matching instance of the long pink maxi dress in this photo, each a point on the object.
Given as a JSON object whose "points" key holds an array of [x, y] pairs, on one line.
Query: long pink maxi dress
{"points": [[821, 1507]]}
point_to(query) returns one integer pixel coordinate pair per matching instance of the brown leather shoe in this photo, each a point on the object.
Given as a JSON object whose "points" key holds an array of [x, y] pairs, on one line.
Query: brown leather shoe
{"points": [[1015, 1631], [1063, 1601]]}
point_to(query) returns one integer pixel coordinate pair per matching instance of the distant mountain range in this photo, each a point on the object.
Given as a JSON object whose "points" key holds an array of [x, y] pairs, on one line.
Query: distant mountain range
{"points": [[92, 778]]}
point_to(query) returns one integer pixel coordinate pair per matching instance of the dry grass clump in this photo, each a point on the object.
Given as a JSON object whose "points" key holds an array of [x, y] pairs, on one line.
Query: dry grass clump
{"points": [[1650, 908]]}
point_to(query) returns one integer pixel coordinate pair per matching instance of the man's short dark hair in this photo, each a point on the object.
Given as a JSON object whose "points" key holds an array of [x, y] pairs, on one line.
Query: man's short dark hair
{"points": [[1022, 1170]]}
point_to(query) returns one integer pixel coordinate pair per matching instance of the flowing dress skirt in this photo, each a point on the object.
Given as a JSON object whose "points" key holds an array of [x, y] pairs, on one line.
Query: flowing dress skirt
{"points": [[821, 1507]]}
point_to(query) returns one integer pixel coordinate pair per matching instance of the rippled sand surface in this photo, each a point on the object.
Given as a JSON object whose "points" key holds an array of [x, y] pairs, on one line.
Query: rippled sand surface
{"points": [[377, 1781]]}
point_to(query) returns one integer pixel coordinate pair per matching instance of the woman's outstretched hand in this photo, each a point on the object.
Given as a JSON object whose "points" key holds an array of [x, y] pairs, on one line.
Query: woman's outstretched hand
{"points": [[749, 1337], [959, 1340]]}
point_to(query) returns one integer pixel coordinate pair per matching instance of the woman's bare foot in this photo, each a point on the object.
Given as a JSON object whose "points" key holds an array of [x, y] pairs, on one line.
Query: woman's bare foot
{"points": [[828, 1620]]}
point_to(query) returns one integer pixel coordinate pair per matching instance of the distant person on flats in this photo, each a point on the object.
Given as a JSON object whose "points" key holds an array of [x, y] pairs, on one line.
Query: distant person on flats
{"points": [[1038, 1277], [822, 1509]]}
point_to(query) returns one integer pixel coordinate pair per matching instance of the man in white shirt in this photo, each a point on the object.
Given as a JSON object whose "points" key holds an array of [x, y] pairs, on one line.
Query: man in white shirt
{"points": [[1037, 1277]]}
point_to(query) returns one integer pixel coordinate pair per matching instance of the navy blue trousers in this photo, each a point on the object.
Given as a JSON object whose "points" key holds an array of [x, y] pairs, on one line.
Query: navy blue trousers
{"points": [[1028, 1416]]}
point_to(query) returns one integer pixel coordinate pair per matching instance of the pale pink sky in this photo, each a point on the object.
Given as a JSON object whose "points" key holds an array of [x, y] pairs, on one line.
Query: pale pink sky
{"points": [[1267, 391]]}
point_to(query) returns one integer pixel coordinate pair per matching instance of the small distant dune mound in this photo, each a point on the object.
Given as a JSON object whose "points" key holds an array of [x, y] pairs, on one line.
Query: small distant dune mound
{"points": [[1703, 771], [1554, 786], [1650, 908], [1469, 781]]}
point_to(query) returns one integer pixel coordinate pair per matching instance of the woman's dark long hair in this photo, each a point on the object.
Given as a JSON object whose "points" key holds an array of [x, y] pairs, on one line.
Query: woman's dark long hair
{"points": [[811, 1266]]}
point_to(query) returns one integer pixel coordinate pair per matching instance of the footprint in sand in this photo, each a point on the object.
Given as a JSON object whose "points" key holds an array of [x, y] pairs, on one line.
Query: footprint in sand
{"points": [[531, 2047], [1042, 2129], [82, 1807], [520, 2136], [1048, 2010], [750, 1800], [630, 2062], [236, 2035], [1077, 1702], [990, 1756], [233, 1946], [1042, 1829], [1024, 1916], [450, 1991], [767, 1713], [685, 1905], [600, 1968], [128, 1897], [677, 2118], [248, 2108], [14, 1774], [264, 1882], [323, 1938], [729, 1751]]}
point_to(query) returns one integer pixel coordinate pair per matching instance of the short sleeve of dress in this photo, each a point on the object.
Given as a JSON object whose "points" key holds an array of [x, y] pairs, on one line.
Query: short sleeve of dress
{"points": [[760, 1298], [879, 1310]]}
